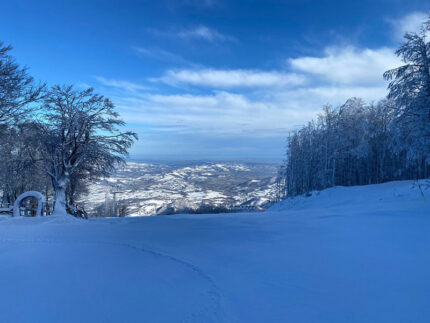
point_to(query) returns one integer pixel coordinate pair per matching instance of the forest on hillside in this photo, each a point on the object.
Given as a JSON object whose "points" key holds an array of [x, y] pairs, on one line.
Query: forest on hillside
{"points": [[366, 143]]}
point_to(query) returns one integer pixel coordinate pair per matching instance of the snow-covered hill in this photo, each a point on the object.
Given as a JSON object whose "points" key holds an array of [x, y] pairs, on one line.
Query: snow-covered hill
{"points": [[393, 196], [153, 188], [355, 254]]}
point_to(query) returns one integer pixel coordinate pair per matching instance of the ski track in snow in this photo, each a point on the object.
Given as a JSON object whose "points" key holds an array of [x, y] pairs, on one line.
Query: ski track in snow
{"points": [[214, 309], [356, 254]]}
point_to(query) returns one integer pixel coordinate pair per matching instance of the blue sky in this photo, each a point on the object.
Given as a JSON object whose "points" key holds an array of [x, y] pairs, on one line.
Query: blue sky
{"points": [[213, 79]]}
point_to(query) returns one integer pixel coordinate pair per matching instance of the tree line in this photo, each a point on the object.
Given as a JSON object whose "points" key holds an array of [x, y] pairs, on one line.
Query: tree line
{"points": [[359, 143], [55, 139]]}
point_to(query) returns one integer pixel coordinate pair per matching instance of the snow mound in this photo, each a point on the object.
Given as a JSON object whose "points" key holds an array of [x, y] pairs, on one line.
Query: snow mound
{"points": [[50, 219], [395, 196]]}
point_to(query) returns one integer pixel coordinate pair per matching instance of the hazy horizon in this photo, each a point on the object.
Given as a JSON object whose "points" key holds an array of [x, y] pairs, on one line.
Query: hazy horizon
{"points": [[189, 160]]}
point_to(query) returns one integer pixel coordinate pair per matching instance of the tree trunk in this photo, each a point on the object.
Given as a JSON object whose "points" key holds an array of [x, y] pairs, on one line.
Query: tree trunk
{"points": [[60, 196]]}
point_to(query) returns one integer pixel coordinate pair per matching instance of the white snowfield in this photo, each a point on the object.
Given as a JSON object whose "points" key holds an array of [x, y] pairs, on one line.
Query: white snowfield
{"points": [[357, 254]]}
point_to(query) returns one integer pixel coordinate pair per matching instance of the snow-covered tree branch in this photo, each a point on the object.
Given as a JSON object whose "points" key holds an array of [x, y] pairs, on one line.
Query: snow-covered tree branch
{"points": [[17, 89], [81, 138], [360, 143]]}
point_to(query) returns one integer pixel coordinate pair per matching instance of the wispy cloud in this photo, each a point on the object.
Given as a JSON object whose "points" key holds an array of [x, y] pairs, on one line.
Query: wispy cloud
{"points": [[348, 65], [204, 33], [222, 113], [120, 84], [259, 103], [163, 55], [200, 32], [409, 23], [232, 78]]}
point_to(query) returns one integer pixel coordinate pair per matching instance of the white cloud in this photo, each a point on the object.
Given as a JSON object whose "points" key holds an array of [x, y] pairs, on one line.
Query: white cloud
{"points": [[163, 55], [221, 113], [205, 33], [199, 32], [232, 78], [183, 100], [409, 23], [316, 96], [125, 85], [349, 65], [271, 114], [257, 103]]}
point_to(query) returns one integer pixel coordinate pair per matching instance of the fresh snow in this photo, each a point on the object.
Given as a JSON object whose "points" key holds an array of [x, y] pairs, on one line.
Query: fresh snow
{"points": [[355, 254], [149, 189]]}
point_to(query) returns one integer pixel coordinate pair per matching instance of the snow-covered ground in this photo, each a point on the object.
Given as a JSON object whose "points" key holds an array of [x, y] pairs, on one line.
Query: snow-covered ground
{"points": [[151, 189], [357, 254]]}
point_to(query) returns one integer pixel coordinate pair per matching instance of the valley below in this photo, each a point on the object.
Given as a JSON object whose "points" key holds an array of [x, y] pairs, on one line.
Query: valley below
{"points": [[151, 188]]}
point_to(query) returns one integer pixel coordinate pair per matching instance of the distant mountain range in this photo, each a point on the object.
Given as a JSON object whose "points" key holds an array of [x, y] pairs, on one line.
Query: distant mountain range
{"points": [[172, 187]]}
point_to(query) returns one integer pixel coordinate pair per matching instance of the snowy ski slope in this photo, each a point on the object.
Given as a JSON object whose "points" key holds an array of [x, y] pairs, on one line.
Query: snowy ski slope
{"points": [[356, 254]]}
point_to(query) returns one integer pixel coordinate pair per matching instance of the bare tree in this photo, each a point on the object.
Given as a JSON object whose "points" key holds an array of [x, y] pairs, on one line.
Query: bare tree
{"points": [[358, 143], [17, 171], [409, 87], [18, 93], [350, 145], [17, 88], [81, 140]]}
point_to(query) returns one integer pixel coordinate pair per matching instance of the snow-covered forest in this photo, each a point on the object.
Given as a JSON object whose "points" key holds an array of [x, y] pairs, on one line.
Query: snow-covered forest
{"points": [[54, 139], [365, 143]]}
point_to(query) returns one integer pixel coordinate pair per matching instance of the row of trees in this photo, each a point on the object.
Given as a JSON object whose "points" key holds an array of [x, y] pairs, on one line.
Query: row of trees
{"points": [[56, 139], [359, 143]]}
